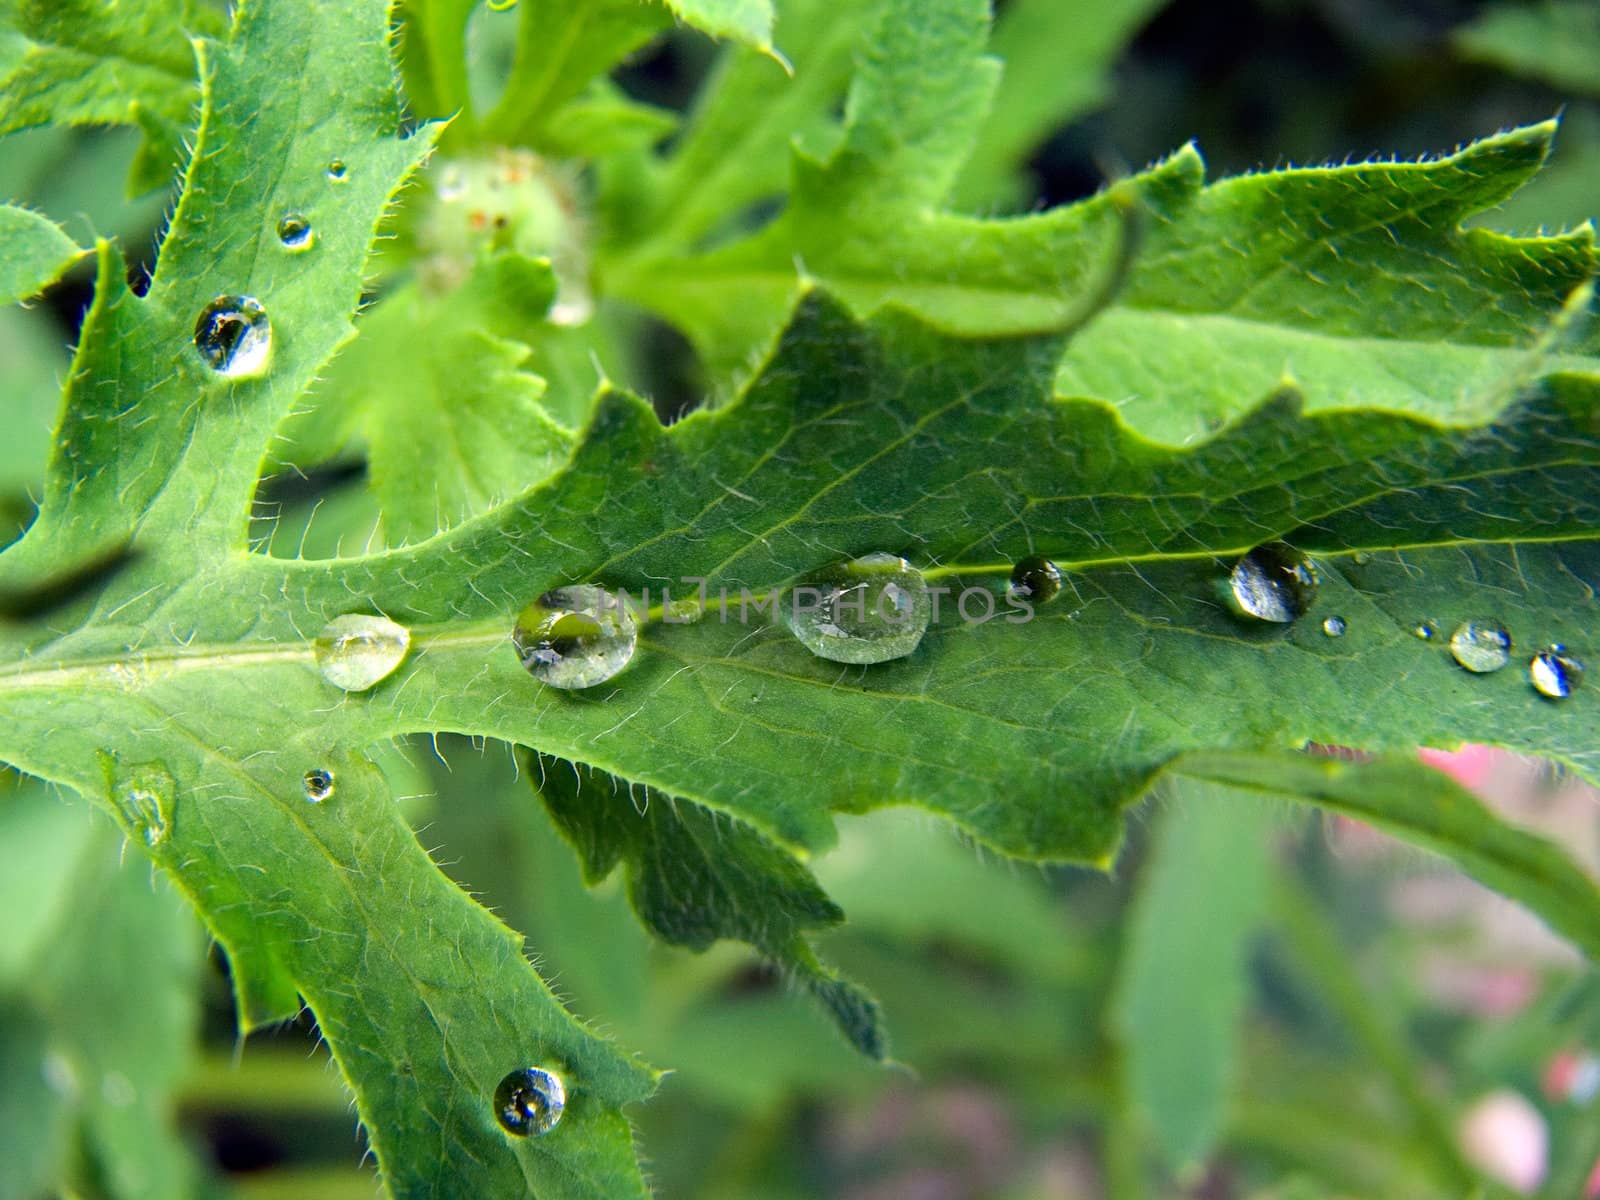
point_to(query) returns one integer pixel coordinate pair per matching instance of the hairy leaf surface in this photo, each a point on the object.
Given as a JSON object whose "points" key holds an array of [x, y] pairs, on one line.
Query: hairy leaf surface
{"points": [[33, 252]]}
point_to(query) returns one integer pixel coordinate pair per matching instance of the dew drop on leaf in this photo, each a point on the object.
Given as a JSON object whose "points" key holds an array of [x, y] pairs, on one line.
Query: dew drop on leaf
{"points": [[295, 232], [337, 169], [1334, 626], [356, 651], [1275, 583], [530, 1101], [1481, 646], [318, 783], [1035, 580], [234, 336], [145, 796], [575, 637], [1555, 673], [1425, 630], [867, 610]]}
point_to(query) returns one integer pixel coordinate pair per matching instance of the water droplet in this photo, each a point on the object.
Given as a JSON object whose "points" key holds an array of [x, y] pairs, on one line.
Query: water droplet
{"points": [[1036, 580], [356, 651], [234, 336], [868, 610], [1362, 558], [530, 1101], [575, 637], [682, 612], [1334, 627], [1274, 583], [1481, 646], [295, 232], [1425, 630], [318, 784], [145, 796], [1555, 673], [336, 169]]}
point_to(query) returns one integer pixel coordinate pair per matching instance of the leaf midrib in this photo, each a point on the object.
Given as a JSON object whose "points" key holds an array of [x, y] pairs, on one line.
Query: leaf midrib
{"points": [[89, 673]]}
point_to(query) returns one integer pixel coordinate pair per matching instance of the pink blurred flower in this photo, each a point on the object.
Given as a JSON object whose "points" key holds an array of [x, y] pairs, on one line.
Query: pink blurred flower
{"points": [[1505, 1137], [1470, 766]]}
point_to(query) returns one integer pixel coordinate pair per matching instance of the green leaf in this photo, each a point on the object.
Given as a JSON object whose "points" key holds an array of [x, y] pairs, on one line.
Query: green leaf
{"points": [[867, 222], [1057, 56], [424, 1016], [694, 877], [80, 63], [435, 384], [735, 149], [956, 457], [602, 121], [1182, 990], [747, 21], [1557, 41], [135, 442], [433, 55], [1354, 285], [1428, 808], [561, 46], [90, 915], [903, 878], [33, 253]]}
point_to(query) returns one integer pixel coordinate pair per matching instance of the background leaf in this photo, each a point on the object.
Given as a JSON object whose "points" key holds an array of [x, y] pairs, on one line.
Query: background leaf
{"points": [[1554, 40], [36, 253], [1183, 988]]}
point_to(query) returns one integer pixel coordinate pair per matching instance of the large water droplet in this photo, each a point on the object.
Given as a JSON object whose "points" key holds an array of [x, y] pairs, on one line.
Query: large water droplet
{"points": [[318, 784], [575, 637], [868, 610], [1481, 646], [295, 232], [1034, 580], [530, 1101], [145, 795], [356, 651], [1555, 673], [1334, 626], [1274, 583], [234, 336]]}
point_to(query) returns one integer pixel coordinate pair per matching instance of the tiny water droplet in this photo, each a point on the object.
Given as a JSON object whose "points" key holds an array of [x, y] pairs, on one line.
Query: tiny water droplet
{"points": [[1362, 558], [1425, 630], [318, 784], [1275, 583], [1036, 580], [336, 169], [145, 795], [530, 1101], [1555, 673], [234, 336], [1334, 626], [295, 232], [868, 610], [682, 612], [575, 637], [1481, 646], [357, 651]]}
